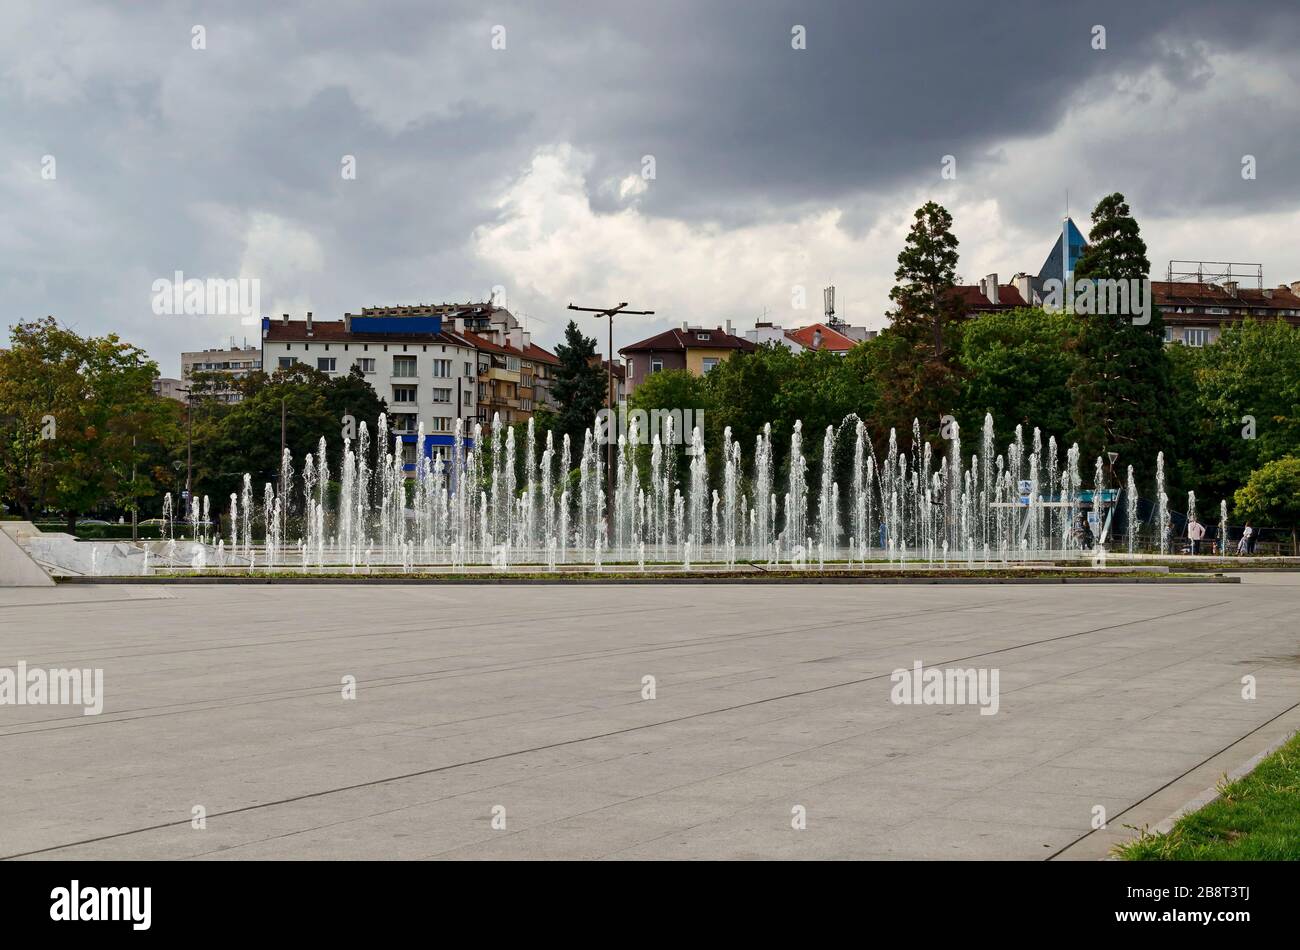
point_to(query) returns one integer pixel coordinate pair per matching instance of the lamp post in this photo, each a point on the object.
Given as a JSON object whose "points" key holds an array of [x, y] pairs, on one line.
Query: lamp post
{"points": [[135, 499], [189, 447], [609, 393]]}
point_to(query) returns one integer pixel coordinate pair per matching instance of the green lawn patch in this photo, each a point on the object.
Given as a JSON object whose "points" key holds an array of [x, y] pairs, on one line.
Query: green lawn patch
{"points": [[1255, 818]]}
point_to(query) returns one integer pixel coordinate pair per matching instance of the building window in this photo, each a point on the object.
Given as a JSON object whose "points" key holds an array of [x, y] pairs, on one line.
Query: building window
{"points": [[404, 367], [482, 391], [469, 370], [404, 394], [512, 363], [442, 369], [656, 366], [1169, 334], [325, 364], [441, 395], [402, 421], [631, 368], [701, 336], [440, 424], [1196, 336], [366, 365], [709, 363], [287, 361], [408, 453]]}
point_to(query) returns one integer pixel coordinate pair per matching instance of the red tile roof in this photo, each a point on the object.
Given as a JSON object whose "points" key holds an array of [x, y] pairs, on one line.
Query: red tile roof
{"points": [[970, 297], [1177, 294], [683, 340], [535, 352], [831, 339], [487, 346]]}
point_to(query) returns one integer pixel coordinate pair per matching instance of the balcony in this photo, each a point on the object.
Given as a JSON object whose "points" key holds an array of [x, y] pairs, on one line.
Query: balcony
{"points": [[501, 374]]}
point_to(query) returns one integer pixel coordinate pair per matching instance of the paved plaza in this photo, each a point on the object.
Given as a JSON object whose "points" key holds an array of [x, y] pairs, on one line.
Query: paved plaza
{"points": [[512, 722]]}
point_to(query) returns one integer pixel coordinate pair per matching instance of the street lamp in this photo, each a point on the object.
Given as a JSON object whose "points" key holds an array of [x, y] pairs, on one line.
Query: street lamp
{"points": [[610, 312], [189, 446]]}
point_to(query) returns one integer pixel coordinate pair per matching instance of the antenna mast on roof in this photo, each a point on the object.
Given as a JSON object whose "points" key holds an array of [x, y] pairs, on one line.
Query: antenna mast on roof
{"points": [[828, 295], [1214, 272]]}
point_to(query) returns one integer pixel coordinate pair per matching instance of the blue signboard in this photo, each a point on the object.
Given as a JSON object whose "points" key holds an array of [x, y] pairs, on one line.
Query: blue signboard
{"points": [[400, 325]]}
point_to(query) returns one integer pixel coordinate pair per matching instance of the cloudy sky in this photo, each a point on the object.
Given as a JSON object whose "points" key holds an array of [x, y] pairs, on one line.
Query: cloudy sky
{"points": [[127, 154]]}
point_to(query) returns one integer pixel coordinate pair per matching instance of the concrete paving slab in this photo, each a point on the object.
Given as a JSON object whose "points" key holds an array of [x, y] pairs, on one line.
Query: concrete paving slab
{"points": [[765, 698]]}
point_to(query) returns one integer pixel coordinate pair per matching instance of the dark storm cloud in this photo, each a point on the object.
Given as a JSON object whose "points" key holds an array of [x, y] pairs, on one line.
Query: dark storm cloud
{"points": [[736, 117], [157, 144]]}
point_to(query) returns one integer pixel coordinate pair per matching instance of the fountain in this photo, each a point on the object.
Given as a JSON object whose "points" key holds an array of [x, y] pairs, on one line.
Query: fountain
{"points": [[487, 502]]}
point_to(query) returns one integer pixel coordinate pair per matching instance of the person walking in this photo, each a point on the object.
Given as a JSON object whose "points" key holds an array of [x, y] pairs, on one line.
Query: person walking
{"points": [[1247, 543], [1195, 534]]}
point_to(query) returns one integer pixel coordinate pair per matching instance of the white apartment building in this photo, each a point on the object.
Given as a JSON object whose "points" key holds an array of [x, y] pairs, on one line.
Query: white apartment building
{"points": [[234, 362], [425, 373], [496, 325]]}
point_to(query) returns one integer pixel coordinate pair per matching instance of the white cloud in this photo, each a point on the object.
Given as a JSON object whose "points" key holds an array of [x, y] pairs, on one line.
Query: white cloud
{"points": [[555, 248]]}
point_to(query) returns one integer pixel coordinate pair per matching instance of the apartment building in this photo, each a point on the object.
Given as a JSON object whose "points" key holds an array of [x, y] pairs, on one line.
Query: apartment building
{"points": [[544, 364], [617, 371], [694, 349], [169, 388], [233, 363], [488, 323], [1195, 314], [506, 381], [1195, 309], [423, 371]]}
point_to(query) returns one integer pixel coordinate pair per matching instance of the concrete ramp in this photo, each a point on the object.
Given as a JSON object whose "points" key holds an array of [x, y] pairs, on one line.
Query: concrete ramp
{"points": [[17, 569]]}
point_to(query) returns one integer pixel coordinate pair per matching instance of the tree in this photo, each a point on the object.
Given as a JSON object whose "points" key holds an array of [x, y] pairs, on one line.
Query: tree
{"points": [[246, 439], [773, 384], [673, 389], [40, 386], [911, 383], [926, 273], [351, 394], [1121, 383], [743, 393], [1272, 496], [1115, 247], [676, 389], [915, 367], [75, 411], [1241, 400], [579, 387], [1017, 367]]}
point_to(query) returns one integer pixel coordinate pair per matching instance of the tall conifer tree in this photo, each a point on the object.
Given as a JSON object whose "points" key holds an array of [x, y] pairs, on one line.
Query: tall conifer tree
{"points": [[1121, 384]]}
